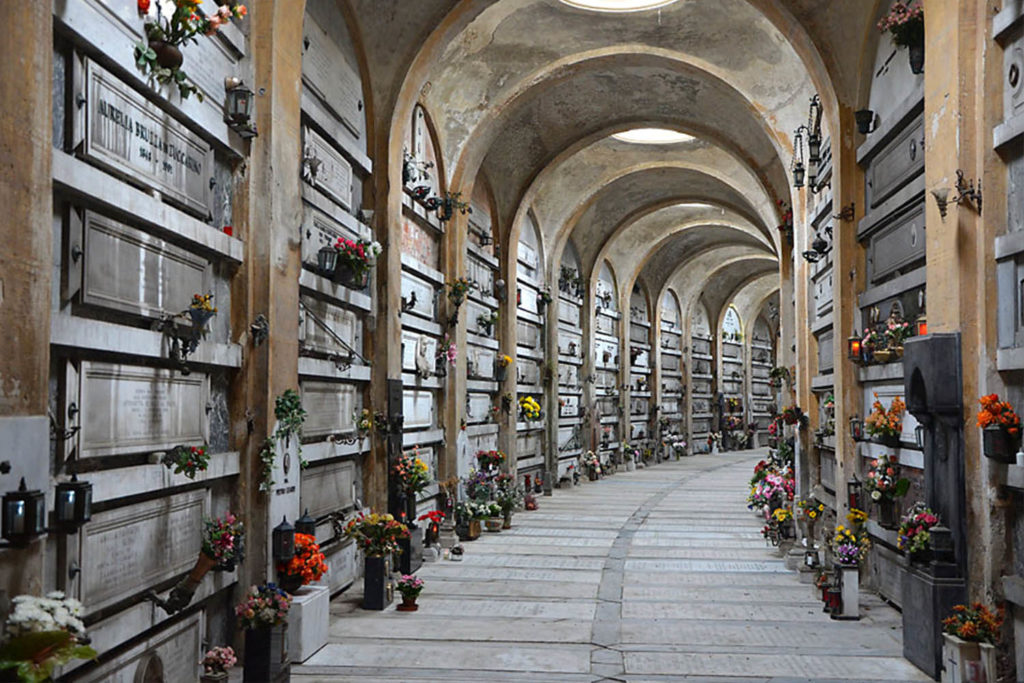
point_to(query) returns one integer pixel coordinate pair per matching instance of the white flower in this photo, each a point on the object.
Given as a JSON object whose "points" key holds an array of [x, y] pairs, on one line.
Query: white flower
{"points": [[876, 495], [375, 248]]}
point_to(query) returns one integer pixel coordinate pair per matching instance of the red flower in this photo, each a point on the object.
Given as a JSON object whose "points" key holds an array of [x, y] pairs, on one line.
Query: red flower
{"points": [[143, 6]]}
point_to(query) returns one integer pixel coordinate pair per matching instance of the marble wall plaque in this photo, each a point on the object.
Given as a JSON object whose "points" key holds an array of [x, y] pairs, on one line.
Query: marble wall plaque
{"points": [[132, 409], [570, 405], [424, 295], [569, 343], [474, 311], [606, 353], [527, 256], [177, 647], [568, 313], [568, 375], [672, 384], [327, 72], [333, 176], [670, 406], [129, 270], [413, 344], [128, 549], [638, 333], [701, 346], [701, 386], [528, 445], [605, 325], [565, 436], [344, 565], [638, 430], [320, 230], [527, 371], [327, 488], [329, 406], [482, 361], [528, 298], [608, 406], [127, 134], [527, 334], [418, 408], [670, 362], [478, 408], [642, 358], [343, 322]]}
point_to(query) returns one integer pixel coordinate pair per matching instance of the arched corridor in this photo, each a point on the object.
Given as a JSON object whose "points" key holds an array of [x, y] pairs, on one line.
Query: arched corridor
{"points": [[299, 294]]}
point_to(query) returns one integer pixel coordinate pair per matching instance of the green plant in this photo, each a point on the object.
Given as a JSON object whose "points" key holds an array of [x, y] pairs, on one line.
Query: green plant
{"points": [[267, 465], [187, 460], [290, 417]]}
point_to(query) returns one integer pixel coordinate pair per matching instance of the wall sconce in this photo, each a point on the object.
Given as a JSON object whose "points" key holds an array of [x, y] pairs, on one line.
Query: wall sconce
{"points": [[966, 194], [941, 195], [922, 325], [797, 166], [867, 121], [854, 487], [24, 515], [305, 524], [327, 260], [238, 108], [73, 506], [853, 348], [919, 432], [847, 213], [283, 541], [856, 428]]}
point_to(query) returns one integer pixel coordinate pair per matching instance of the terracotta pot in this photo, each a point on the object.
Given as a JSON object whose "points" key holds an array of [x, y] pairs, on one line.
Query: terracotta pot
{"points": [[168, 56], [493, 524], [408, 604]]}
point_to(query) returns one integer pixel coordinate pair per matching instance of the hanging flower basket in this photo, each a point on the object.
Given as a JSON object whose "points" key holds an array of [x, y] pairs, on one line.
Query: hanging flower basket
{"points": [[998, 444]]}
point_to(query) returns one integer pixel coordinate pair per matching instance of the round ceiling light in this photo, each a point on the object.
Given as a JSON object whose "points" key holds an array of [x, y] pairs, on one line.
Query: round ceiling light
{"points": [[618, 5], [652, 136]]}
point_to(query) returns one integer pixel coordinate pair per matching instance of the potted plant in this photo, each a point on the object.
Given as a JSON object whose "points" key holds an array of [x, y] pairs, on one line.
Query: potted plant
{"points": [[489, 461], [885, 486], [378, 536], [40, 634], [493, 522], [223, 542], [810, 511], [504, 361], [905, 21], [306, 566], [216, 663], [896, 332], [467, 520], [355, 258], [886, 425], [263, 616], [914, 535], [1000, 428], [187, 460], [410, 587], [873, 347], [159, 55], [593, 465], [969, 641], [794, 415]]}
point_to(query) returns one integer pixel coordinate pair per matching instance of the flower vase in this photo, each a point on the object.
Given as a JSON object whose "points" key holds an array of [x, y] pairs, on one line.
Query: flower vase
{"points": [[997, 444], [888, 514], [506, 522], [168, 56], [916, 57], [266, 654], [217, 677], [289, 583], [346, 276], [499, 373], [890, 440], [592, 474], [375, 582], [408, 604], [200, 317]]}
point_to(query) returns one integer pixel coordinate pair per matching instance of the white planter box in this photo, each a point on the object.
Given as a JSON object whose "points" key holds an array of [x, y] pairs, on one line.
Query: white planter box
{"points": [[308, 620], [850, 582], [964, 662]]}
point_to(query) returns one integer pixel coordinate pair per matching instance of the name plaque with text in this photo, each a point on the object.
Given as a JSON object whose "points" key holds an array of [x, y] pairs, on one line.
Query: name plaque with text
{"points": [[327, 71], [131, 136], [333, 175], [134, 409]]}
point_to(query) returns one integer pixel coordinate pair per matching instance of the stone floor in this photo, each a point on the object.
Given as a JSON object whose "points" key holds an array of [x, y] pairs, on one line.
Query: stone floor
{"points": [[654, 575]]}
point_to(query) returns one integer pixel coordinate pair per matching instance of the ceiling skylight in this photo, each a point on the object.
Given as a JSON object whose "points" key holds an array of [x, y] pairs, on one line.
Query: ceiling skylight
{"points": [[618, 5], [652, 136]]}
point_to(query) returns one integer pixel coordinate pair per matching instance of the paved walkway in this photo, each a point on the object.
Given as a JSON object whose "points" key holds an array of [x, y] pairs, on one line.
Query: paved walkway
{"points": [[654, 575]]}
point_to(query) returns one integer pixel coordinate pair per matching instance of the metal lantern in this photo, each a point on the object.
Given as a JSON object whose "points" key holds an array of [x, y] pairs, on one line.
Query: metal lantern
{"points": [[799, 172], [24, 514], [283, 541], [919, 436], [865, 119], [327, 260], [853, 493], [305, 524], [853, 348], [856, 428], [814, 148], [811, 559], [922, 325], [73, 506]]}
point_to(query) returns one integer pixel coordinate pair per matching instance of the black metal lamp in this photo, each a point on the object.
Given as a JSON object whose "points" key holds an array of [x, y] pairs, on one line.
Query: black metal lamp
{"points": [[919, 432], [820, 244], [865, 119], [856, 428], [854, 348], [854, 487], [305, 524], [73, 506], [238, 107], [812, 256], [327, 260], [814, 147], [799, 172], [24, 515], [283, 540]]}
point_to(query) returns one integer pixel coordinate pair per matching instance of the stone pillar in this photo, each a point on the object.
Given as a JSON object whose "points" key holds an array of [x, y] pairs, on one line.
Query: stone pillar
{"points": [[804, 356], [588, 372], [507, 441], [453, 397], [26, 262], [848, 279], [625, 389], [654, 385], [549, 343]]}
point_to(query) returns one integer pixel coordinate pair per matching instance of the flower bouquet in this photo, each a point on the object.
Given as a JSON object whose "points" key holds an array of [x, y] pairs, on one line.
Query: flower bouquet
{"points": [[355, 258], [976, 623], [264, 605], [410, 472], [884, 485], [529, 408], [592, 463], [223, 540], [41, 634], [489, 460], [187, 460], [306, 566], [886, 425], [849, 546], [457, 290], [914, 535], [905, 21], [377, 535]]}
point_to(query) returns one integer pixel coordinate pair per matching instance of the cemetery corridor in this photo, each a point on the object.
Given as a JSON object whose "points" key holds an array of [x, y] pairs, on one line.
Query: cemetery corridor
{"points": [[659, 574]]}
